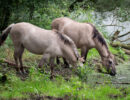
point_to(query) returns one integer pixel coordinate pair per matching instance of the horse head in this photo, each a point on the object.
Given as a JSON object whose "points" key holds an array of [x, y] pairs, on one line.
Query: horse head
{"points": [[80, 61], [109, 63]]}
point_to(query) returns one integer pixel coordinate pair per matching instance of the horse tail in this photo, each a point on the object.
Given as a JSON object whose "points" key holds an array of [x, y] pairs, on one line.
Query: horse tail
{"points": [[69, 41], [5, 34]]}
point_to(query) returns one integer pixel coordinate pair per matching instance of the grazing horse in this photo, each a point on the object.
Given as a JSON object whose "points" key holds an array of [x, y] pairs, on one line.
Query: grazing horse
{"points": [[40, 41], [86, 36]]}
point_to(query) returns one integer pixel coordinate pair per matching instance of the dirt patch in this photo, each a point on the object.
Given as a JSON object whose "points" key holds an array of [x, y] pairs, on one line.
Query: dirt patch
{"points": [[123, 94], [40, 97], [58, 70], [114, 96], [43, 97]]}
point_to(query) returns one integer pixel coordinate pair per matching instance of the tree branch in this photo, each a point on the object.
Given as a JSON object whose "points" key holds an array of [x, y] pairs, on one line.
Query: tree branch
{"points": [[124, 40], [127, 51], [123, 34], [115, 35], [11, 63], [113, 25], [113, 83], [125, 46]]}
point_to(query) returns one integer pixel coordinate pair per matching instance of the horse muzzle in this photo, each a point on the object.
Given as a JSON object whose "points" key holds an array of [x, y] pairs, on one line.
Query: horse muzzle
{"points": [[112, 73]]}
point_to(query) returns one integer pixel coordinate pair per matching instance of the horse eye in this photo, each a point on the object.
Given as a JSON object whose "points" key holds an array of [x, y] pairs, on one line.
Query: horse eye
{"points": [[110, 62]]}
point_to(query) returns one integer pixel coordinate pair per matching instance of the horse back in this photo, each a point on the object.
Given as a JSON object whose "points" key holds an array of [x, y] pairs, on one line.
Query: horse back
{"points": [[33, 38], [80, 33]]}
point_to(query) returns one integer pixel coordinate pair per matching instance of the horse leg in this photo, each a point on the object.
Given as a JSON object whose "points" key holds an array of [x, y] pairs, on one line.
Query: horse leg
{"points": [[18, 55], [65, 63], [57, 60], [43, 60], [84, 52], [16, 61], [21, 50], [64, 60], [52, 67]]}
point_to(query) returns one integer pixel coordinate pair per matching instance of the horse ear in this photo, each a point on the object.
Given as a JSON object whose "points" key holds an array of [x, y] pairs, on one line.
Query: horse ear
{"points": [[81, 59], [114, 59], [55, 30]]}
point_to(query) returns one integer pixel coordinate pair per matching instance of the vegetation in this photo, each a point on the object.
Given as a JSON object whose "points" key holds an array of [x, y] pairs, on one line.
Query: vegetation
{"points": [[38, 85], [68, 84]]}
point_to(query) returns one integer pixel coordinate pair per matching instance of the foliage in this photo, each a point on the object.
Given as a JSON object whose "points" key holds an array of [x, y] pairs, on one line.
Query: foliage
{"points": [[83, 72], [37, 12], [118, 51], [120, 8], [37, 83]]}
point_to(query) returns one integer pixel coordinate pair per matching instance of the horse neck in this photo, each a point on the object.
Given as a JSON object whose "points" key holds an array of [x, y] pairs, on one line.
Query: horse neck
{"points": [[68, 53], [102, 49]]}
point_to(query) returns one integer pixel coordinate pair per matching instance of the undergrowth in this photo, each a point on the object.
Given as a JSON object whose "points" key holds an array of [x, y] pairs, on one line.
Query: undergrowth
{"points": [[39, 83]]}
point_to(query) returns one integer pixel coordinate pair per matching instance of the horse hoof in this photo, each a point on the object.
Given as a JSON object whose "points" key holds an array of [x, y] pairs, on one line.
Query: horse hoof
{"points": [[51, 78], [17, 69], [66, 66], [24, 72], [19, 72]]}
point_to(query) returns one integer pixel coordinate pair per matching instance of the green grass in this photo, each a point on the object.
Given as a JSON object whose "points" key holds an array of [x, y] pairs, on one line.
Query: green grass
{"points": [[41, 84]]}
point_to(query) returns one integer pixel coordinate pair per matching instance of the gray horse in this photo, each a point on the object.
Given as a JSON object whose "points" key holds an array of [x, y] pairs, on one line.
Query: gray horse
{"points": [[86, 36], [40, 41]]}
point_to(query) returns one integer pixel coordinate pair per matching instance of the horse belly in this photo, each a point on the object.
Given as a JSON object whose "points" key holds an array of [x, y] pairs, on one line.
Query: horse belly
{"points": [[35, 46], [34, 50], [54, 50]]}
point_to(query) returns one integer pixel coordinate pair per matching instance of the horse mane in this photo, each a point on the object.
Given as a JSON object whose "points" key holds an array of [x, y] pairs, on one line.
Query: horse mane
{"points": [[98, 36], [68, 41], [64, 39]]}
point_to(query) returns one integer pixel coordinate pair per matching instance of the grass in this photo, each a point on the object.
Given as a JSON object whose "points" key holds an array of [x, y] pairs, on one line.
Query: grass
{"points": [[37, 83], [80, 85]]}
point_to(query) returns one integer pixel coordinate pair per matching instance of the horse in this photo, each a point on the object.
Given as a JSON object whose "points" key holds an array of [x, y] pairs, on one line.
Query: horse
{"points": [[41, 42], [86, 36]]}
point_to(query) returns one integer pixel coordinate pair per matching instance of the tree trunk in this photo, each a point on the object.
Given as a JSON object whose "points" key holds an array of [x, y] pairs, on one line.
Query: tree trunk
{"points": [[115, 36], [5, 20], [117, 44], [5, 12], [127, 51]]}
